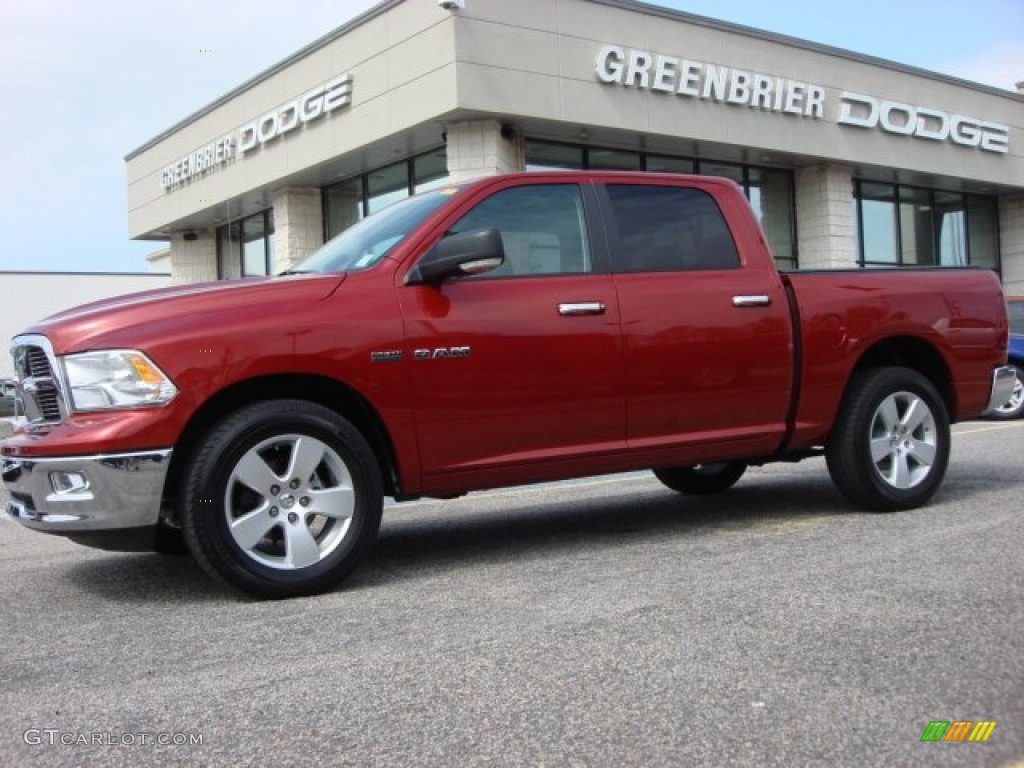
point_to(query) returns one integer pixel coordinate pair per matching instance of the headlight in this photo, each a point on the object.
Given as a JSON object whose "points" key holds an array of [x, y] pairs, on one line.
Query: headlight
{"points": [[115, 378]]}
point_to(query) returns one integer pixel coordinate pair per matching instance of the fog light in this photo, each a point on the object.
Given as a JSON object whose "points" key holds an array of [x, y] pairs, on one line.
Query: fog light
{"points": [[68, 482]]}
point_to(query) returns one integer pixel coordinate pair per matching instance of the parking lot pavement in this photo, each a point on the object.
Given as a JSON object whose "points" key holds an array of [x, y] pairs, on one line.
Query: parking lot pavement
{"points": [[605, 622]]}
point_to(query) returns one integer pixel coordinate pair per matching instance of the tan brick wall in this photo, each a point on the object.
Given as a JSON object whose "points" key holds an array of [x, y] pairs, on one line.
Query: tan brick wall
{"points": [[194, 261], [298, 225], [477, 148], [826, 229], [1011, 243]]}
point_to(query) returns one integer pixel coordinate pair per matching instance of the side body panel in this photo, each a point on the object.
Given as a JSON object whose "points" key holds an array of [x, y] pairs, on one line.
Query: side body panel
{"points": [[844, 315], [709, 352]]}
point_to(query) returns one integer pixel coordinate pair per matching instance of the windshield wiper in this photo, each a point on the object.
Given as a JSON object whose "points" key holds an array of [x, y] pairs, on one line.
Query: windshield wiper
{"points": [[296, 272]]}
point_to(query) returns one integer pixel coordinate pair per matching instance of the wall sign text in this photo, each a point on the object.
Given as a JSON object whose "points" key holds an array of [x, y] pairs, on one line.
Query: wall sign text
{"points": [[276, 124], [737, 87]]}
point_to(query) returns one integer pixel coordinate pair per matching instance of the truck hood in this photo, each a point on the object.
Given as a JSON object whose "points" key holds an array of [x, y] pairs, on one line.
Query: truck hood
{"points": [[86, 326]]}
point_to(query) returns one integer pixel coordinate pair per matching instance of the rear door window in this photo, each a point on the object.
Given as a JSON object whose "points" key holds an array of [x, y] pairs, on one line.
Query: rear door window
{"points": [[668, 229]]}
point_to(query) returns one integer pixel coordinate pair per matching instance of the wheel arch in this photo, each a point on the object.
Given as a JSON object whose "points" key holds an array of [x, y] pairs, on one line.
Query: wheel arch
{"points": [[916, 354], [322, 390]]}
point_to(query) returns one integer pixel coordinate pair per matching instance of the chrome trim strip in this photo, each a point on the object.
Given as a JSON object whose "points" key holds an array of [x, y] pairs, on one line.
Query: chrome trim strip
{"points": [[1003, 379]]}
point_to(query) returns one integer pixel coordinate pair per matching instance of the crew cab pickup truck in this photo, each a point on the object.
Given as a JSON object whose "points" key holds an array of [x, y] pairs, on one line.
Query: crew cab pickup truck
{"points": [[510, 330]]}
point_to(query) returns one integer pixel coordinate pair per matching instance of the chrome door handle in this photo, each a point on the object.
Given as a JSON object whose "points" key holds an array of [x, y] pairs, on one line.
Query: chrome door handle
{"points": [[751, 301], [581, 308]]}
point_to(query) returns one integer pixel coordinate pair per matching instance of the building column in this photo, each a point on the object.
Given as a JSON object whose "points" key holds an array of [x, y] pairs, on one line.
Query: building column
{"points": [[1011, 243], [481, 148], [826, 230], [193, 257], [298, 226]]}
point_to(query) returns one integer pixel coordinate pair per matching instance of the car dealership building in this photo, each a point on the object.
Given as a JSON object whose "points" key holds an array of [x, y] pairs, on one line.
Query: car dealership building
{"points": [[848, 160]]}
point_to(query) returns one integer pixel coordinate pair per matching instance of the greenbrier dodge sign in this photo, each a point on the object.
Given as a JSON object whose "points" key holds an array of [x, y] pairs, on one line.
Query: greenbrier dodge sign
{"points": [[709, 82], [277, 123]]}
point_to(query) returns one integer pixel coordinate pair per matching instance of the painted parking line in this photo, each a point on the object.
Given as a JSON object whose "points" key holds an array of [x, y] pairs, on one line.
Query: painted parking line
{"points": [[977, 429]]}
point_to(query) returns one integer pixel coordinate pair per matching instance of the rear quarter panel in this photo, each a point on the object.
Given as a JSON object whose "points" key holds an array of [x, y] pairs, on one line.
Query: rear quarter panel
{"points": [[844, 315]]}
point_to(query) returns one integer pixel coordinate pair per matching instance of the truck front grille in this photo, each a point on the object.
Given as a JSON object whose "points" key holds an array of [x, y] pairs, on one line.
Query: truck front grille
{"points": [[39, 390]]}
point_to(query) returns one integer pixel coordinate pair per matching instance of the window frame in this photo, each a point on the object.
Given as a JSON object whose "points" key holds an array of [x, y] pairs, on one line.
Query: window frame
{"points": [[237, 245], [904, 193]]}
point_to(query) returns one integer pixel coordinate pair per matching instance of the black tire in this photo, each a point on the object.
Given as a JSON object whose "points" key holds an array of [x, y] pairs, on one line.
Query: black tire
{"points": [[889, 448], [702, 479], [1014, 407], [283, 530]]}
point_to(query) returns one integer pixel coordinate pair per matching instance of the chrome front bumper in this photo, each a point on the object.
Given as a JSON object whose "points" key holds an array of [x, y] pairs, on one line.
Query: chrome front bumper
{"points": [[1003, 379], [81, 494]]}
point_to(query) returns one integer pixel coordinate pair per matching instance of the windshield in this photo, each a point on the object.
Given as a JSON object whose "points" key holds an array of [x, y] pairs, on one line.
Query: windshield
{"points": [[367, 242]]}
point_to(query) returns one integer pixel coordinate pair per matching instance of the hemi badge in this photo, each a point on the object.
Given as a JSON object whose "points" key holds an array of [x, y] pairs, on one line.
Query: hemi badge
{"points": [[391, 356]]}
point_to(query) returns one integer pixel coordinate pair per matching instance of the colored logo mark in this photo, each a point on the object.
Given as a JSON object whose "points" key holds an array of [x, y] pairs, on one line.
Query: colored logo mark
{"points": [[958, 730]]}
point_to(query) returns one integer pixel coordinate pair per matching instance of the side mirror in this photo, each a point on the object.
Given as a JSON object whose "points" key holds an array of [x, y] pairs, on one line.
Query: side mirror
{"points": [[461, 255]]}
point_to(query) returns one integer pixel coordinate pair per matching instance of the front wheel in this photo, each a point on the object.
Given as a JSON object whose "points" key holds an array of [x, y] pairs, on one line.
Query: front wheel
{"points": [[283, 498], [889, 447], [702, 479], [1014, 407]]}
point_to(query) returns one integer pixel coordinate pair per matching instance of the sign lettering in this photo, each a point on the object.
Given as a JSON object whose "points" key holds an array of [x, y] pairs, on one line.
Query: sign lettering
{"points": [[703, 81], [275, 124]]}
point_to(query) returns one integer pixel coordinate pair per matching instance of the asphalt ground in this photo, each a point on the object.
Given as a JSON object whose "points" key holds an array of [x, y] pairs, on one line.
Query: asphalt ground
{"points": [[606, 622]]}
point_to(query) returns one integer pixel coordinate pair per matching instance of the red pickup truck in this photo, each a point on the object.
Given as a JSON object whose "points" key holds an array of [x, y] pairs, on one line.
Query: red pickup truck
{"points": [[510, 330]]}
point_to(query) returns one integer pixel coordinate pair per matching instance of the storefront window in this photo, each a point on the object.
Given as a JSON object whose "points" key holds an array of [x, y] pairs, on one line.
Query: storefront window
{"points": [[666, 164], [386, 186], [914, 226], [878, 229], [541, 156], [351, 200], [430, 171], [983, 231], [245, 248], [729, 171], [613, 160], [949, 227], [770, 192]]}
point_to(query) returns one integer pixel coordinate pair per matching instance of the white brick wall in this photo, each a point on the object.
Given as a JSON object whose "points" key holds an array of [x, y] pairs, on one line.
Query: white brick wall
{"points": [[194, 261], [1011, 243], [476, 148], [826, 229], [298, 225]]}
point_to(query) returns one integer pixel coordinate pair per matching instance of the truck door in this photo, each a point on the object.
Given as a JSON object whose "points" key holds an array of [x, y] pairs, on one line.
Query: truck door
{"points": [[522, 366], [708, 348]]}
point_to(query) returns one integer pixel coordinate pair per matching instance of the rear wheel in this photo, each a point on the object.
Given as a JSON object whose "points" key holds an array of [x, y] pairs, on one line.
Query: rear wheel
{"points": [[702, 479], [890, 445], [1014, 407], [283, 499]]}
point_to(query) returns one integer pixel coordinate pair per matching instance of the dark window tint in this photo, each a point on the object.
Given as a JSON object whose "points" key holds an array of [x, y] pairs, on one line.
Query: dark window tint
{"points": [[542, 229], [662, 229]]}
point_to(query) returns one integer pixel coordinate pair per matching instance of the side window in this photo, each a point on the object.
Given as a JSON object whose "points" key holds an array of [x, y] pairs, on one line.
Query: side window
{"points": [[665, 229], [542, 228]]}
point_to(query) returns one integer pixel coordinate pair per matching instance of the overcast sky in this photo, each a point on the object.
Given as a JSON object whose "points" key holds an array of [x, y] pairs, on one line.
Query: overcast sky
{"points": [[84, 83]]}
